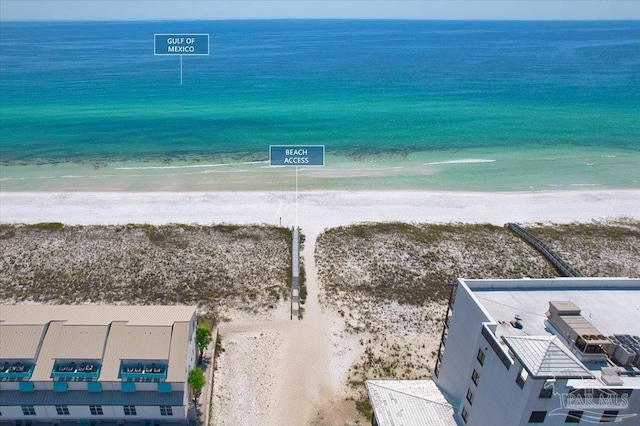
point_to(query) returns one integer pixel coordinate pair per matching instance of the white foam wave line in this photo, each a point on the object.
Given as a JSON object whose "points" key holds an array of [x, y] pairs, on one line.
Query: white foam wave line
{"points": [[81, 177], [562, 157], [28, 178], [585, 184], [464, 161], [119, 176], [192, 166]]}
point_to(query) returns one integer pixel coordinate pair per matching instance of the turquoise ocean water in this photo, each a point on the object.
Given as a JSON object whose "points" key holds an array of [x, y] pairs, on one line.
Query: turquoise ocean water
{"points": [[466, 105]]}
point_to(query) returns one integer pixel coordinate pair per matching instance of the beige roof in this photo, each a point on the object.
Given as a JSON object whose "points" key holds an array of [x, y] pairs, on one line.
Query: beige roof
{"points": [[144, 343], [69, 342], [20, 342], [111, 359], [134, 343], [95, 314], [82, 342], [107, 333], [178, 353]]}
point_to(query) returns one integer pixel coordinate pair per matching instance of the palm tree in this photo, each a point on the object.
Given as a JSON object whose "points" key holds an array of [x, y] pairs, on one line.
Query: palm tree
{"points": [[203, 338], [196, 383]]}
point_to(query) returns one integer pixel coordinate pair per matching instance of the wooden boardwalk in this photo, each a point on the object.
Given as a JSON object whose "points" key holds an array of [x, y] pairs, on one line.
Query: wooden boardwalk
{"points": [[563, 268], [295, 273]]}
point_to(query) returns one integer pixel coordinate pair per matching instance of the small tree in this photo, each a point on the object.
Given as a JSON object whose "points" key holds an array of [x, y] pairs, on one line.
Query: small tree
{"points": [[196, 383], [203, 338]]}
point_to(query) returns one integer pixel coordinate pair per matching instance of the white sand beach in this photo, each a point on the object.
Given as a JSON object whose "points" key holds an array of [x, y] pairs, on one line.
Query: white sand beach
{"points": [[315, 211], [275, 371]]}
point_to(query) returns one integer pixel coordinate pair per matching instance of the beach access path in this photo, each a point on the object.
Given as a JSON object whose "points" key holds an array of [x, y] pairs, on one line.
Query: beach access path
{"points": [[285, 372]]}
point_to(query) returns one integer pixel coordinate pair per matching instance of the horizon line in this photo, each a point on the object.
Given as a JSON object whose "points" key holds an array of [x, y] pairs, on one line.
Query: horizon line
{"points": [[332, 19]]}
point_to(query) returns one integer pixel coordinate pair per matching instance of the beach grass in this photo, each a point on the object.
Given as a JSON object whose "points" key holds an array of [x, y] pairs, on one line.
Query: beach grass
{"points": [[413, 263], [214, 267], [595, 250]]}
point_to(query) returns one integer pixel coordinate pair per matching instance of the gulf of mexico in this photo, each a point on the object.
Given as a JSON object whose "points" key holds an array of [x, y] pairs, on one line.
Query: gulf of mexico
{"points": [[374, 92]]}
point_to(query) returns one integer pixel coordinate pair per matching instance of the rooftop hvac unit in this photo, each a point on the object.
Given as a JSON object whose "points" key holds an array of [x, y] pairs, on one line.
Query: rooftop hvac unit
{"points": [[624, 355], [631, 346]]}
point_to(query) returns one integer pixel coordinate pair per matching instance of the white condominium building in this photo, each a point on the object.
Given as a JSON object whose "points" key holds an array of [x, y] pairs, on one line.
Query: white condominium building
{"points": [[529, 351]]}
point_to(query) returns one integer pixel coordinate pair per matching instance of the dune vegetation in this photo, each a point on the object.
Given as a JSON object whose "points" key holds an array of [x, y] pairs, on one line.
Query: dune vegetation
{"points": [[243, 267]]}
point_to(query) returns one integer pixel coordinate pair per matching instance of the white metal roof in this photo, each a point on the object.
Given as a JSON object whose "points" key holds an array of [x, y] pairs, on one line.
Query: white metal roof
{"points": [[409, 403], [546, 357]]}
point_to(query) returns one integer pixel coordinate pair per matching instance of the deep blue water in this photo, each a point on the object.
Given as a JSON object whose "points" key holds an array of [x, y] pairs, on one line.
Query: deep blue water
{"points": [[87, 91]]}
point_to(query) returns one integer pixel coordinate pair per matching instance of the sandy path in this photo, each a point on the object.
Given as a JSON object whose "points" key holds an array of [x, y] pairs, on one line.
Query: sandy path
{"points": [[306, 375], [285, 372]]}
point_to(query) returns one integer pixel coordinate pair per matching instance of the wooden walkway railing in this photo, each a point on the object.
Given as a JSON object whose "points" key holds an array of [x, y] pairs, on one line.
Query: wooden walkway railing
{"points": [[295, 273], [563, 268]]}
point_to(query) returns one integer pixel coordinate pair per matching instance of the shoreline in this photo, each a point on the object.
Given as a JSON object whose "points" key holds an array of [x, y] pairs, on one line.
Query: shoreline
{"points": [[317, 210], [485, 169]]}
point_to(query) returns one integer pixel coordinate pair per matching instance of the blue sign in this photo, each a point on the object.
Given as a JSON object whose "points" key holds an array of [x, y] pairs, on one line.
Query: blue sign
{"points": [[296, 155], [181, 44]]}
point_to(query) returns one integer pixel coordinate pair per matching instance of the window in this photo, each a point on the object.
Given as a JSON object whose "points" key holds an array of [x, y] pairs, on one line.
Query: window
{"points": [[464, 414], [129, 410], [573, 417], [480, 356], [609, 416], [547, 389], [62, 410], [470, 396], [522, 377], [475, 377], [28, 410], [166, 410], [96, 410], [537, 416]]}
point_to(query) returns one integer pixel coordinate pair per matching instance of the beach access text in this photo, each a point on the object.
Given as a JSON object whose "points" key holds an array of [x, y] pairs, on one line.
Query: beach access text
{"points": [[181, 44], [296, 155]]}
